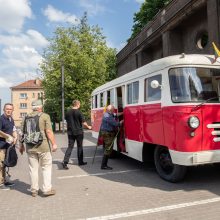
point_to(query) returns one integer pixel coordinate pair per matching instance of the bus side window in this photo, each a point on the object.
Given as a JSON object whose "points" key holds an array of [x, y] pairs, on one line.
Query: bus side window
{"points": [[95, 101], [101, 99], [152, 94], [133, 93], [110, 97]]}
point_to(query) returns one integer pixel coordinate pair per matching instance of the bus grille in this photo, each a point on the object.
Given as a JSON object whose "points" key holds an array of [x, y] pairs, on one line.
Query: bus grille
{"points": [[216, 131]]}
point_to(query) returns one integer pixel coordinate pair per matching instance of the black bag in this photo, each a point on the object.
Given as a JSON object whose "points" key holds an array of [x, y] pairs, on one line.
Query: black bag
{"points": [[32, 134], [11, 157]]}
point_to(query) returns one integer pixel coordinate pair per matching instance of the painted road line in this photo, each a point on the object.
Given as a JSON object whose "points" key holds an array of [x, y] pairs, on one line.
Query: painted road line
{"points": [[89, 147], [96, 174], [155, 210], [75, 158]]}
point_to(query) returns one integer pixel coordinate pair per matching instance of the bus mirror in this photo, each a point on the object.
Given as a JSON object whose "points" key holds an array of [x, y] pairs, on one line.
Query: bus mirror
{"points": [[155, 84]]}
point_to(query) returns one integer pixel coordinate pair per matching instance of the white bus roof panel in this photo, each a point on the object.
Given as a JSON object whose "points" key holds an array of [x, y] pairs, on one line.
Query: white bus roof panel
{"points": [[160, 64]]}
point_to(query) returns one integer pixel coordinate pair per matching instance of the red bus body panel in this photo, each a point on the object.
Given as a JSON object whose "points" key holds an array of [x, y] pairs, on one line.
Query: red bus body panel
{"points": [[168, 126]]}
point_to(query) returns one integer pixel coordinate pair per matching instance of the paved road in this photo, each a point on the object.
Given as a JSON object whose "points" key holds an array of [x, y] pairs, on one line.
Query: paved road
{"points": [[130, 191]]}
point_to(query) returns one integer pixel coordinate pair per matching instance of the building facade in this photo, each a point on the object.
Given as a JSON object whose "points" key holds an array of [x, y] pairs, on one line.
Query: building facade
{"points": [[22, 96], [183, 26]]}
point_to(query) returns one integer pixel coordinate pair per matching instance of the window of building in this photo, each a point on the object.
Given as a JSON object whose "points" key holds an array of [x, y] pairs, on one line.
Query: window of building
{"points": [[23, 105], [33, 95], [23, 95], [133, 93], [23, 114], [152, 94]]}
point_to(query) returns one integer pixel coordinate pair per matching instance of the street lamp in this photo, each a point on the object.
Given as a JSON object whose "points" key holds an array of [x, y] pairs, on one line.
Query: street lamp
{"points": [[62, 90]]}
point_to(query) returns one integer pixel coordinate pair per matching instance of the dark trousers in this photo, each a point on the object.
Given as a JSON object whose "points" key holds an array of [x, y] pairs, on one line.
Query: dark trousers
{"points": [[71, 141]]}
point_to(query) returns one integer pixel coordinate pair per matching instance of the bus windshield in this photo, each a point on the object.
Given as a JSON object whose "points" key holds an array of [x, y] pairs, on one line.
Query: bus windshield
{"points": [[194, 84]]}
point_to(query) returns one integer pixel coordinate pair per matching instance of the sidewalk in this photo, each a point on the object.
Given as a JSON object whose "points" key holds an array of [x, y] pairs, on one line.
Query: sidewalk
{"points": [[19, 204]]}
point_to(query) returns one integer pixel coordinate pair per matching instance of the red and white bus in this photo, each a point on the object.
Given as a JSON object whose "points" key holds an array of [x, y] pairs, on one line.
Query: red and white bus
{"points": [[171, 112]]}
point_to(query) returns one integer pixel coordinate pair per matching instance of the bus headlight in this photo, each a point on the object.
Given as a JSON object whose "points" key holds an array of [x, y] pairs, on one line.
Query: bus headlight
{"points": [[193, 122]]}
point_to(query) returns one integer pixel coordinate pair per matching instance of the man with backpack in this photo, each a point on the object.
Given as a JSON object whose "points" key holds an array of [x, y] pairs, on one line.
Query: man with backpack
{"points": [[8, 129], [37, 133]]}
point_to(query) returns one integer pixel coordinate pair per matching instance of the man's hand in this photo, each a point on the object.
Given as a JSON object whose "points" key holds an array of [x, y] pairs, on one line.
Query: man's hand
{"points": [[9, 139], [89, 127], [54, 147]]}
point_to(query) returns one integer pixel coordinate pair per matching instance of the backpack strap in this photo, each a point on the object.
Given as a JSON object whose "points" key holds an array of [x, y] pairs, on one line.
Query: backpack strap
{"points": [[37, 122], [24, 125]]}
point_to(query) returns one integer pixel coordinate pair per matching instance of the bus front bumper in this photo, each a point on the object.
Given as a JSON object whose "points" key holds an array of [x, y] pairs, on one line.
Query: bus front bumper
{"points": [[195, 158]]}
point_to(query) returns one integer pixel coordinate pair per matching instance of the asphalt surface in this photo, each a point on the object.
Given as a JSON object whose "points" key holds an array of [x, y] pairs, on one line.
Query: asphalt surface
{"points": [[131, 190]]}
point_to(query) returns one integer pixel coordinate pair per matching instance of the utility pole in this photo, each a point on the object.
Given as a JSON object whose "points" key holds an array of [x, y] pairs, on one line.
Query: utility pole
{"points": [[62, 89]]}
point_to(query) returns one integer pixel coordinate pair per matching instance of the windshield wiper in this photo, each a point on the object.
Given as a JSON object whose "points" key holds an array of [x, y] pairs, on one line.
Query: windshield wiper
{"points": [[198, 106]]}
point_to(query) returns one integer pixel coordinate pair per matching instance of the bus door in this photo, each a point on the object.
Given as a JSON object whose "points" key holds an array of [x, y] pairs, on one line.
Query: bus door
{"points": [[120, 106], [151, 112]]}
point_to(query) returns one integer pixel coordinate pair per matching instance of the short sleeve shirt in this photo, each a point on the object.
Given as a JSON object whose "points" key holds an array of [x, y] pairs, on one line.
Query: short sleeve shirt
{"points": [[74, 119], [44, 124], [7, 126]]}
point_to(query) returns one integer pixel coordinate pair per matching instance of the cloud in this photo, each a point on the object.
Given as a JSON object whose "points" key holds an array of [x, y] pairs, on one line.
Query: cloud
{"points": [[19, 62], [55, 15], [117, 47], [92, 7], [31, 38], [20, 56], [4, 83], [140, 1], [13, 14]]}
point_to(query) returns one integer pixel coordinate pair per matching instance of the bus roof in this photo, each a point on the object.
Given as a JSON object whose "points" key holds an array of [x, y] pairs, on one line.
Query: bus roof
{"points": [[160, 64]]}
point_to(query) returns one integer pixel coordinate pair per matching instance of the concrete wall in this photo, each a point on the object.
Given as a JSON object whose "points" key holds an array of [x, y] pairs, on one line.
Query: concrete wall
{"points": [[184, 26]]}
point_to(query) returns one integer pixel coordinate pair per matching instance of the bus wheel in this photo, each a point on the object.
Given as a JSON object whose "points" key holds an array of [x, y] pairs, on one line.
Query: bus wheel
{"points": [[165, 167]]}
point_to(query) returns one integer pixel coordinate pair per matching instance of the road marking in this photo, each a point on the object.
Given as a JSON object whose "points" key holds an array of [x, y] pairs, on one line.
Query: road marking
{"points": [[89, 147], [96, 174], [155, 210], [75, 158]]}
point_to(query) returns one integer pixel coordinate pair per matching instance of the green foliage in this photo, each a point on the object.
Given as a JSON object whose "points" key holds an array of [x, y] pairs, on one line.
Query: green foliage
{"points": [[88, 63], [147, 11]]}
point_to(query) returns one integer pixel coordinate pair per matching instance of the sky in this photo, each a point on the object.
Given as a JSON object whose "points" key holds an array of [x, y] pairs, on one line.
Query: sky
{"points": [[26, 26]]}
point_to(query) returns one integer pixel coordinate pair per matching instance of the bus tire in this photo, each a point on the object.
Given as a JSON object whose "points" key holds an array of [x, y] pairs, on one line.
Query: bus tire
{"points": [[165, 167]]}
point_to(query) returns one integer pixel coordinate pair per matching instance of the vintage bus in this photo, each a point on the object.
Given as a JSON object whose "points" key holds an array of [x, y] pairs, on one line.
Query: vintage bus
{"points": [[171, 113]]}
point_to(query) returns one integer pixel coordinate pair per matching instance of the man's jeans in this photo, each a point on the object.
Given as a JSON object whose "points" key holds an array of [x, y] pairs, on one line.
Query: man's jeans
{"points": [[45, 162], [2, 169], [71, 141]]}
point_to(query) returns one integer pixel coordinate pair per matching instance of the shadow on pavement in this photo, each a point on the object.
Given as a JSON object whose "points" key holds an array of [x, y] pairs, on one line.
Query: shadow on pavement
{"points": [[21, 186]]}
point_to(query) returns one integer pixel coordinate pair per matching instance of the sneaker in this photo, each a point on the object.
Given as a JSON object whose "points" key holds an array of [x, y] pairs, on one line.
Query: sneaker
{"points": [[82, 163], [9, 184], [65, 166], [3, 187], [106, 168], [49, 193], [34, 193]]}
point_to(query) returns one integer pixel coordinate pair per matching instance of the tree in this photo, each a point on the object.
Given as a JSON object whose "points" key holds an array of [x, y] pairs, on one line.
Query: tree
{"points": [[147, 11], [88, 63]]}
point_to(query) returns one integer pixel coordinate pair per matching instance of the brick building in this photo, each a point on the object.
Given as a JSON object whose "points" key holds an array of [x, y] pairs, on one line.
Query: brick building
{"points": [[183, 26], [22, 96]]}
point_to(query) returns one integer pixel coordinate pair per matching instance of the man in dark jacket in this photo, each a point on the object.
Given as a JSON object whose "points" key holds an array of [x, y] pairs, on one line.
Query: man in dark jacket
{"points": [[108, 130], [7, 127], [75, 121]]}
